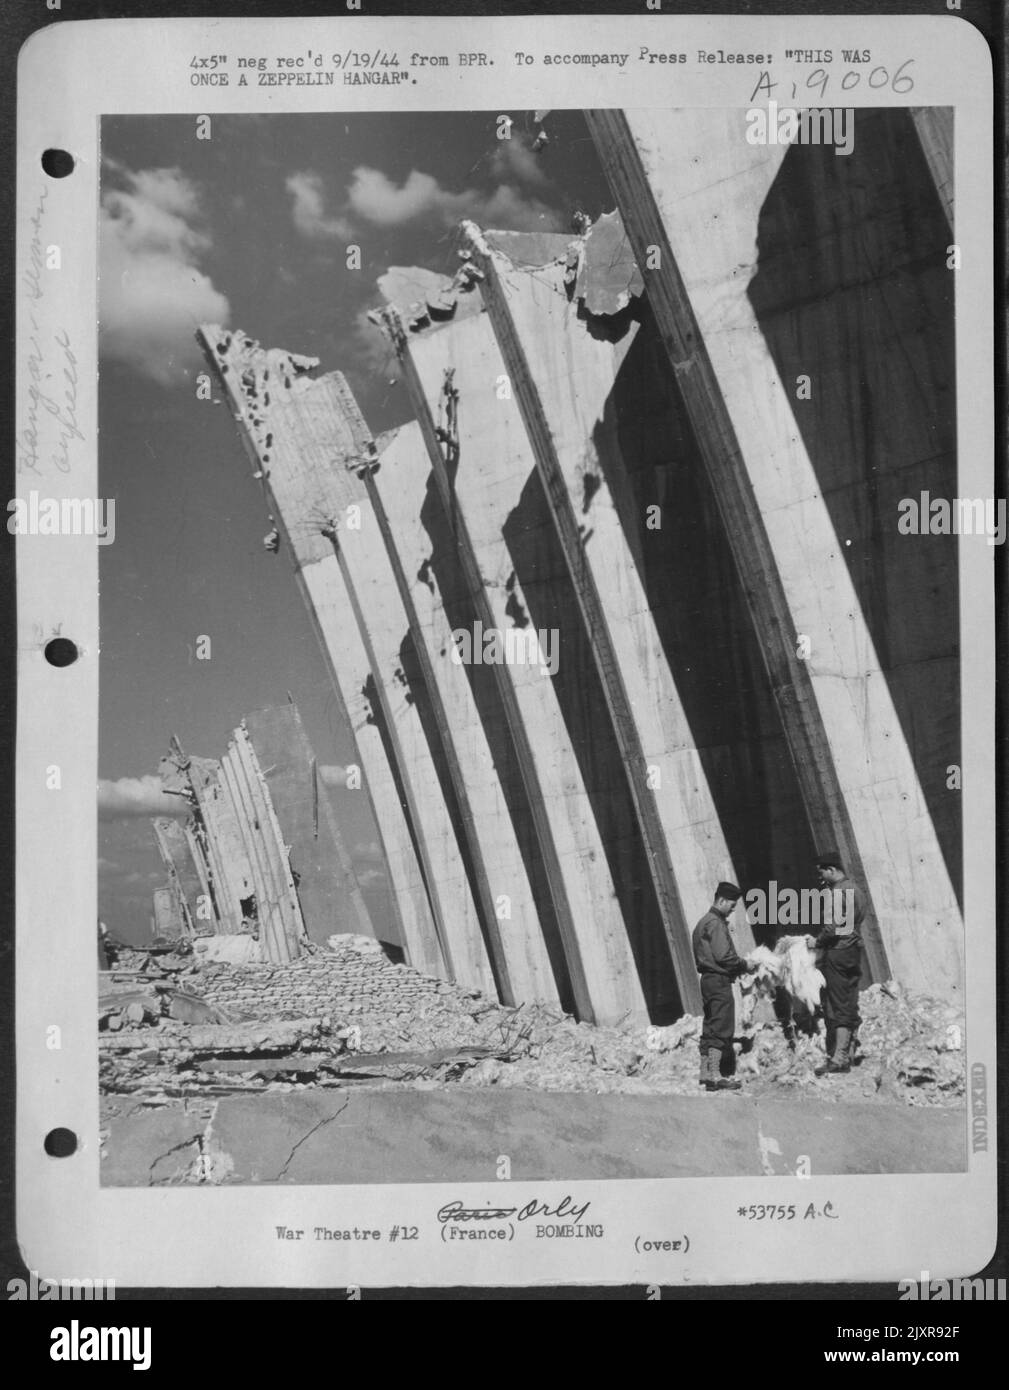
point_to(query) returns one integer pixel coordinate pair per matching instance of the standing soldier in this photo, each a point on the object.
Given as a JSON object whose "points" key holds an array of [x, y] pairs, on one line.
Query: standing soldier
{"points": [[717, 964], [841, 944]]}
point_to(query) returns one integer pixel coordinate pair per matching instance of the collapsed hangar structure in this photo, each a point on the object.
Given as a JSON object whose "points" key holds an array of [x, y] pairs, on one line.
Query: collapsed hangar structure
{"points": [[258, 851], [673, 449]]}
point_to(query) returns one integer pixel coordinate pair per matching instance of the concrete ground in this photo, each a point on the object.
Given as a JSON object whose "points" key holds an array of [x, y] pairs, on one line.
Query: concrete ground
{"points": [[362, 1135]]}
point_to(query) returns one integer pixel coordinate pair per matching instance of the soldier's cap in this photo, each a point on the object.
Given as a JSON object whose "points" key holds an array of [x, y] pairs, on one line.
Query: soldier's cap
{"points": [[728, 890], [829, 860]]}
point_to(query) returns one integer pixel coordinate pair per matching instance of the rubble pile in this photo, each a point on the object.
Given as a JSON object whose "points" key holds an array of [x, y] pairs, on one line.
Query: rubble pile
{"points": [[177, 1059], [911, 1051], [390, 1006], [170, 1025], [918, 1041], [348, 1015]]}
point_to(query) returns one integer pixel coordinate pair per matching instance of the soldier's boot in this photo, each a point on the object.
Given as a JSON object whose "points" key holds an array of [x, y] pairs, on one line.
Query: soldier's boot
{"points": [[840, 1061], [709, 1067], [705, 1075], [722, 1083], [855, 1051], [829, 1044]]}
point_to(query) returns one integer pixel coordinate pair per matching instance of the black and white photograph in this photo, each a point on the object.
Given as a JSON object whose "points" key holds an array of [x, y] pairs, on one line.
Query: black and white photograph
{"points": [[506, 545], [481, 758]]}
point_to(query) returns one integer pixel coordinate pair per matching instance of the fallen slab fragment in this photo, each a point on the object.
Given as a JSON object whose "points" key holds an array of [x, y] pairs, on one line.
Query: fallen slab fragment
{"points": [[228, 950], [188, 1008], [116, 1000], [276, 1037], [608, 277], [302, 1063]]}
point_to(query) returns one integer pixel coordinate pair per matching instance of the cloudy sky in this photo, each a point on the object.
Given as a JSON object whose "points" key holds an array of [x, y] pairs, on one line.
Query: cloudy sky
{"points": [[249, 229]]}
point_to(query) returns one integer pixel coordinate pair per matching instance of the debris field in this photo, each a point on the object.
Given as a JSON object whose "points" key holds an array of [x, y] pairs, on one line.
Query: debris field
{"points": [[346, 1015]]}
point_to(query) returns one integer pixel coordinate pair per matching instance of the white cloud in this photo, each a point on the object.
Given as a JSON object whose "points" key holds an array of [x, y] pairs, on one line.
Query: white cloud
{"points": [[374, 197], [153, 294], [137, 796], [514, 160], [309, 210]]}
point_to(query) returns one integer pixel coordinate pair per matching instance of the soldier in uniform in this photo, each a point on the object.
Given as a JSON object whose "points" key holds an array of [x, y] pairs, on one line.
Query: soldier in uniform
{"points": [[718, 964], [840, 942]]}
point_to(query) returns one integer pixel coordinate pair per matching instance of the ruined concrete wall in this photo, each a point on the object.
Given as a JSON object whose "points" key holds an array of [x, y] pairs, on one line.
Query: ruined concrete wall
{"points": [[177, 856], [487, 483], [738, 333], [230, 856], [275, 909], [683, 732], [303, 447], [852, 288], [330, 897], [168, 921], [413, 929], [528, 960], [564, 327], [218, 840], [415, 751]]}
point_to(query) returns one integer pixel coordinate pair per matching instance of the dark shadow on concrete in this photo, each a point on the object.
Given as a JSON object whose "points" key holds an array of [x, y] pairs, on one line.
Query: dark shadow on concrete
{"points": [[419, 695], [549, 593], [852, 290], [647, 453], [376, 716], [461, 614]]}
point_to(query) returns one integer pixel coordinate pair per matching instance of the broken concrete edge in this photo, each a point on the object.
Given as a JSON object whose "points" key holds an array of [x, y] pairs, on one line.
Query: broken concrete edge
{"points": [[383, 440], [230, 347], [258, 377], [600, 270], [253, 375], [424, 298]]}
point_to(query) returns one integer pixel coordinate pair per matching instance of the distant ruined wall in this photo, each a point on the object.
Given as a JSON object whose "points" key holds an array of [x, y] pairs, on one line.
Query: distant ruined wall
{"points": [[261, 851], [328, 891]]}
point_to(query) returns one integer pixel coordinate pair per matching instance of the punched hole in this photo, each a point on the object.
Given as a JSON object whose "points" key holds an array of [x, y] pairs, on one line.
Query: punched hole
{"points": [[57, 163], [60, 651], [60, 1143]]}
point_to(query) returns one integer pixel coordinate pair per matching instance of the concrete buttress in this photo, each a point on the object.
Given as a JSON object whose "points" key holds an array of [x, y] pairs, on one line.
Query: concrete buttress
{"points": [[695, 224]]}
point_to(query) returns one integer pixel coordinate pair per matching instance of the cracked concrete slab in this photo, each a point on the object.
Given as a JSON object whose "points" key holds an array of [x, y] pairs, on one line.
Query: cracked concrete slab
{"points": [[146, 1146], [370, 1136]]}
